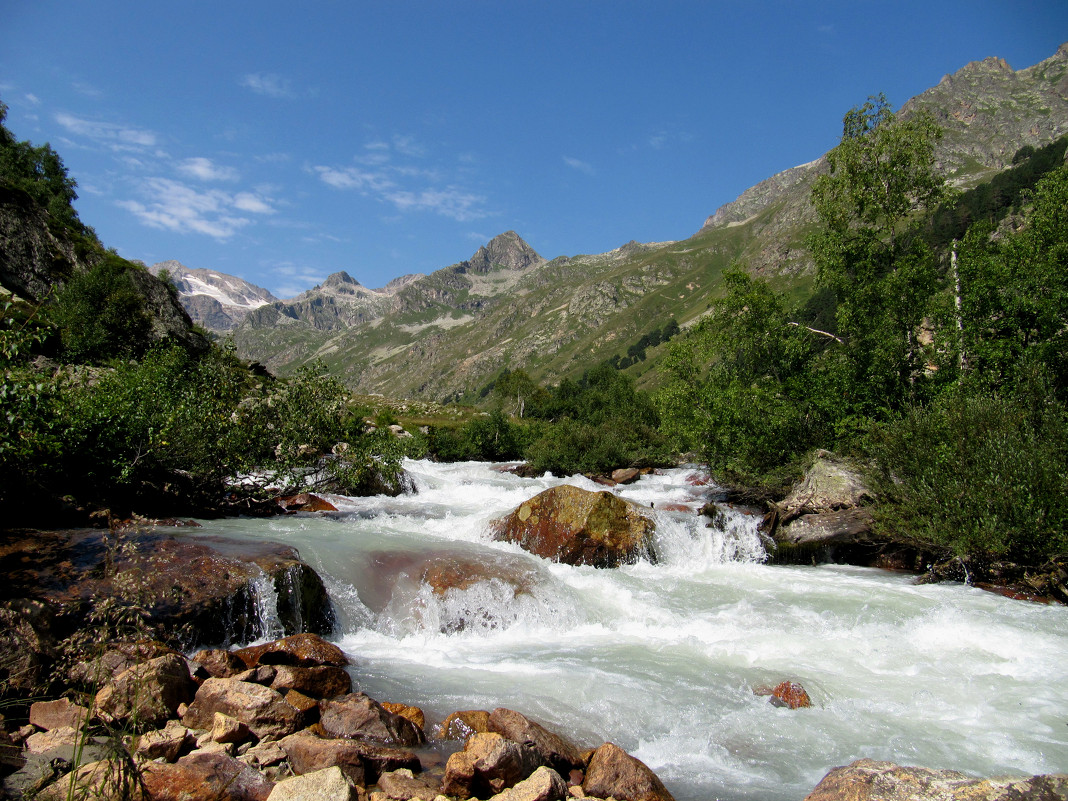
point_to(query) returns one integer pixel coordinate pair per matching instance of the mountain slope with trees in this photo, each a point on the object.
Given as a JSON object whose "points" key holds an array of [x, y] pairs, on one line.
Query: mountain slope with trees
{"points": [[448, 334]]}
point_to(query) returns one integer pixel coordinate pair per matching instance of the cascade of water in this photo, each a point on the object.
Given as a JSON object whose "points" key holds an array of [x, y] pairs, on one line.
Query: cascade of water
{"points": [[662, 658], [266, 624]]}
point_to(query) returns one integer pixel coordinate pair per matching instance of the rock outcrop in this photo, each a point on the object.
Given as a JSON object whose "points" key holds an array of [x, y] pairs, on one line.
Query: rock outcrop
{"points": [[577, 527]]}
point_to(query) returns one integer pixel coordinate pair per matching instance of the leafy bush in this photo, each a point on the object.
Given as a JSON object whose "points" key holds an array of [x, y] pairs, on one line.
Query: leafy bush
{"points": [[100, 315], [981, 473]]}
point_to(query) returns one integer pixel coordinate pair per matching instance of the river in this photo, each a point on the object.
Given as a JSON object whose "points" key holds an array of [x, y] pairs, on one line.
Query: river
{"points": [[662, 659]]}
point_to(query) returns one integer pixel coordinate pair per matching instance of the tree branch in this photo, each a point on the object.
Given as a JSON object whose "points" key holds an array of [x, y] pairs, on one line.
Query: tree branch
{"points": [[817, 331]]}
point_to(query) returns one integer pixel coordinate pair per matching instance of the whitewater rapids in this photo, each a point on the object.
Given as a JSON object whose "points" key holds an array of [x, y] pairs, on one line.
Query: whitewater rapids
{"points": [[661, 658]]}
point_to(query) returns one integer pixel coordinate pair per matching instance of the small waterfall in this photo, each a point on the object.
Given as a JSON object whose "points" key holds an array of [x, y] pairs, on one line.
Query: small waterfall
{"points": [[267, 623]]}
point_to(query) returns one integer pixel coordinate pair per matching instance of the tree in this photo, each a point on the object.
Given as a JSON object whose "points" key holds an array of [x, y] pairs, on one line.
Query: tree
{"points": [[868, 249]]}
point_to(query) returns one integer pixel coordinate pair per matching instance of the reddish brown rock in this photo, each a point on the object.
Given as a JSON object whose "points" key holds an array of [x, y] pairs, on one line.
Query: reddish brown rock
{"points": [[488, 765], [260, 708], [461, 725], [220, 663], [613, 773], [451, 571], [302, 650], [626, 475], [361, 761], [147, 694], [788, 694], [168, 743], [205, 777], [577, 527], [553, 750], [305, 502], [321, 681], [49, 715], [412, 713], [357, 716], [403, 785]]}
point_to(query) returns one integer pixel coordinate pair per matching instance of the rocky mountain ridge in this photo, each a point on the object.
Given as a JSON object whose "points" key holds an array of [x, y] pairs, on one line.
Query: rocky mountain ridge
{"points": [[447, 334]]}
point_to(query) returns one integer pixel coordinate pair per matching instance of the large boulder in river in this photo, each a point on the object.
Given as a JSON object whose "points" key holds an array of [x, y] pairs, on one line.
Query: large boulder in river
{"points": [[577, 527], [868, 780], [829, 485]]}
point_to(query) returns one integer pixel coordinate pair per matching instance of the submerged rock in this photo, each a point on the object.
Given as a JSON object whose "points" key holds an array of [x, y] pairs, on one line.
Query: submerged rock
{"points": [[577, 527]]}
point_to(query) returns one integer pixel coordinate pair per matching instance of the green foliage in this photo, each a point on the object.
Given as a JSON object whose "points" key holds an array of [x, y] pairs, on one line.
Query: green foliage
{"points": [[30, 429], [39, 172], [491, 437], [981, 473], [869, 252], [749, 389], [100, 314]]}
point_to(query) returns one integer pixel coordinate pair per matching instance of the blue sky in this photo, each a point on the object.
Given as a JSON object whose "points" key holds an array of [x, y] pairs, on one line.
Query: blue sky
{"points": [[281, 142]]}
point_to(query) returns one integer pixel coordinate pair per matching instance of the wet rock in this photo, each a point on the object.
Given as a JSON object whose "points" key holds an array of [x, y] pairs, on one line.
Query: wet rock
{"points": [[219, 663], [194, 588], [306, 705], [489, 764], [461, 725], [544, 784], [260, 708], [300, 650], [626, 475], [329, 784], [403, 785], [613, 773], [357, 716], [869, 780], [412, 713], [320, 681], [787, 694], [205, 777], [57, 714], [305, 502], [577, 527], [552, 749], [149, 693], [446, 572]]}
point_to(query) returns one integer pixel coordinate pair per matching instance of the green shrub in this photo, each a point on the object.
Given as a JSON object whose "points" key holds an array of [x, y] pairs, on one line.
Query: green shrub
{"points": [[981, 473], [100, 315]]}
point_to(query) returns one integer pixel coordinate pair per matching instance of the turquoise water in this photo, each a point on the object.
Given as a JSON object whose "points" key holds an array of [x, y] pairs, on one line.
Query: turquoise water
{"points": [[661, 658]]}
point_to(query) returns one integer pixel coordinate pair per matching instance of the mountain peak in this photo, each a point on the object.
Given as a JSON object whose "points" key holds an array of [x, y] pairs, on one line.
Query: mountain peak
{"points": [[340, 278], [505, 251]]}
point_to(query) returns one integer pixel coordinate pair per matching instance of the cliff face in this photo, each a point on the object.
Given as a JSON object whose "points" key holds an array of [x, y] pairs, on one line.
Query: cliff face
{"points": [[35, 261]]}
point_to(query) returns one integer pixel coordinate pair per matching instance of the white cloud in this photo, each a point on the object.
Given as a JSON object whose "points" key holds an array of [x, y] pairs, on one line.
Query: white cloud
{"points": [[118, 137], [269, 85], [205, 169], [581, 166], [355, 178], [174, 206], [405, 186], [448, 202], [33, 99]]}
